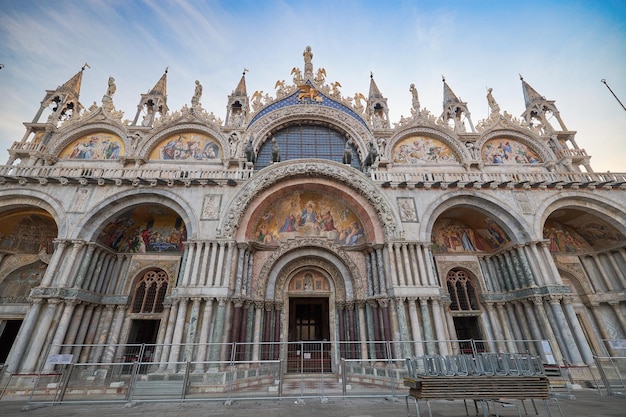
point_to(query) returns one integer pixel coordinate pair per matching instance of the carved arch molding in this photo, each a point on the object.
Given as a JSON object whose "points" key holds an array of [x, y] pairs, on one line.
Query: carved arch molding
{"points": [[333, 171], [329, 268]]}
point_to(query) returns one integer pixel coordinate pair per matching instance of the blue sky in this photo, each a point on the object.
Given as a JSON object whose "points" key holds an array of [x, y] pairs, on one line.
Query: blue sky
{"points": [[561, 48]]}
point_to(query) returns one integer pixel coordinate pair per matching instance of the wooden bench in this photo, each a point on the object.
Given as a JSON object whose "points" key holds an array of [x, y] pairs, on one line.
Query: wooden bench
{"points": [[481, 389]]}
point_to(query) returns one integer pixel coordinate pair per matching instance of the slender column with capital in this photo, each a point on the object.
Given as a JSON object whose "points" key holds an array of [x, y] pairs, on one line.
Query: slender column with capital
{"points": [[217, 276], [36, 344], [391, 261], [396, 338], [380, 268], [542, 278], [103, 332], [373, 328], [267, 331], [351, 329], [510, 267], [532, 321], [189, 262], [521, 319], [375, 278], [487, 328], [554, 276], [70, 335], [506, 327], [23, 336], [96, 272], [203, 277], [421, 265], [615, 305], [194, 276], [498, 283], [277, 317], [408, 279], [508, 283], [106, 273], [79, 339], [485, 272], [526, 269], [430, 270], [384, 313], [256, 337], [240, 268], [604, 275], [243, 331], [368, 274], [399, 265], [414, 276]]}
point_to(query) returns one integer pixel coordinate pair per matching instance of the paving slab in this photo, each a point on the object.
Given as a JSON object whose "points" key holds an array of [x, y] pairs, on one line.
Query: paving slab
{"points": [[587, 403]]}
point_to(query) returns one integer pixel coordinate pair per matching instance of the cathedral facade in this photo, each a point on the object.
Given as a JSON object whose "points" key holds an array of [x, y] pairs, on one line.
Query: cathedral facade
{"points": [[305, 216]]}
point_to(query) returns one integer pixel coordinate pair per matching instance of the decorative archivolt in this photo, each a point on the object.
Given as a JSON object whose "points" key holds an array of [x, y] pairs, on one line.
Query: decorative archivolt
{"points": [[354, 129], [328, 270], [329, 169], [329, 250]]}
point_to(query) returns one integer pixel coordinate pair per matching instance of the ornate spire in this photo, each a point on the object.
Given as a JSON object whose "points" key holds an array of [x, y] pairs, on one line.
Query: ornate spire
{"points": [[238, 106], [455, 109], [72, 86], [64, 100], [538, 108], [377, 111], [155, 101]]}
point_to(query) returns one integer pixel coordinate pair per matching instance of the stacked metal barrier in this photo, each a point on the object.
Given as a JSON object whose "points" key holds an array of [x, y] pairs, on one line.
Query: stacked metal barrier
{"points": [[500, 364]]}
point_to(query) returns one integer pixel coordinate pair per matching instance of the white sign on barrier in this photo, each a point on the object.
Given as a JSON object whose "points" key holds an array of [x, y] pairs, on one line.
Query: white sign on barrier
{"points": [[60, 359]]}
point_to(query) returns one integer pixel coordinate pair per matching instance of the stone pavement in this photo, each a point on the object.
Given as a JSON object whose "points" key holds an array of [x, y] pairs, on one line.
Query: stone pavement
{"points": [[587, 403]]}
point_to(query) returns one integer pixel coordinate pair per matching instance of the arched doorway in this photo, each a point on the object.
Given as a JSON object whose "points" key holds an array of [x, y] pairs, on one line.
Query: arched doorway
{"points": [[309, 335]]}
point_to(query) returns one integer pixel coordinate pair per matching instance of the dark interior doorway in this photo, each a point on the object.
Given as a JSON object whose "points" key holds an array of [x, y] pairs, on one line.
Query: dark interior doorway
{"points": [[309, 335], [467, 328], [7, 337], [142, 337]]}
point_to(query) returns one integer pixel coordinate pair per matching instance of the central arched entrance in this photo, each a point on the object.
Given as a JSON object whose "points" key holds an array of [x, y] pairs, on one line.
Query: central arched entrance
{"points": [[309, 348]]}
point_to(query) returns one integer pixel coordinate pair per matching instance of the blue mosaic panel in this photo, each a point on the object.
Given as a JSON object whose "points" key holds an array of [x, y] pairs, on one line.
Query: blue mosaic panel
{"points": [[293, 100], [307, 141]]}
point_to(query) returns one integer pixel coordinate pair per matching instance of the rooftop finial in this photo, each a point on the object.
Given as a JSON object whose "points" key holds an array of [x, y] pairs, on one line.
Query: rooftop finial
{"points": [[443, 78], [521, 78], [167, 68], [371, 74], [244, 71], [85, 66]]}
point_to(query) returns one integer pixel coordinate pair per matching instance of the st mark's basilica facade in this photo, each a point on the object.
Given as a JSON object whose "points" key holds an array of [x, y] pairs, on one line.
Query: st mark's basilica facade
{"points": [[304, 216]]}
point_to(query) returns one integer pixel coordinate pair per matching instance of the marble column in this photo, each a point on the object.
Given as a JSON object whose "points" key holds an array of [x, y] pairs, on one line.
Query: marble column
{"points": [[487, 331], [430, 269], [526, 269], [594, 307], [380, 267], [440, 329], [506, 327], [418, 347], [218, 276], [36, 344], [543, 319], [485, 273], [267, 331], [362, 332], [278, 319], [54, 264], [535, 331], [160, 340], [72, 331], [103, 334], [577, 332], [542, 278], [368, 274], [177, 339], [427, 326], [105, 275], [408, 279], [114, 335], [392, 264], [169, 334], [86, 261], [218, 331], [510, 267], [521, 319], [61, 330], [205, 331], [79, 339], [604, 275], [506, 274], [399, 265], [256, 336], [615, 305], [23, 336], [192, 328], [555, 276], [203, 277], [496, 326], [421, 265], [396, 338], [189, 261], [240, 268], [97, 271], [568, 337], [415, 277], [617, 270], [351, 329]]}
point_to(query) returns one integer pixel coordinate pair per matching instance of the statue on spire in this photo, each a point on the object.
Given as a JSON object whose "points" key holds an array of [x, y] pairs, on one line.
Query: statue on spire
{"points": [[308, 58], [197, 93], [107, 99]]}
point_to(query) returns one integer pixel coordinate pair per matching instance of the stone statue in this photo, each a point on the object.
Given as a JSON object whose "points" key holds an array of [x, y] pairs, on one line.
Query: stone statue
{"points": [[415, 102], [195, 100], [107, 99], [275, 151], [308, 57], [233, 141], [347, 155], [112, 87], [493, 105], [382, 143]]}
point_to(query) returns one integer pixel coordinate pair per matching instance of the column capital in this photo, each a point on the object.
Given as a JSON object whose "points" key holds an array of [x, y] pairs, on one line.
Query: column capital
{"points": [[383, 302], [258, 304]]}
